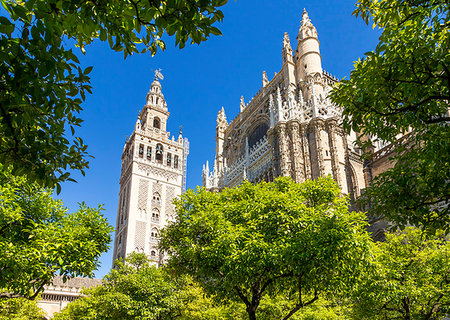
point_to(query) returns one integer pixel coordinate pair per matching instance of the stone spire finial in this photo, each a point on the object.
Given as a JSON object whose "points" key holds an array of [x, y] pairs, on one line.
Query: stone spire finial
{"points": [[242, 104], [265, 81], [307, 29], [271, 111], [222, 118], [287, 49], [305, 17]]}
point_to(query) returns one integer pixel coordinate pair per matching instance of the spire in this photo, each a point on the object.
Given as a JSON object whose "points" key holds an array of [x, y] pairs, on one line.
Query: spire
{"points": [[313, 101], [271, 111], [155, 96], [265, 81], [305, 17], [222, 118], [307, 29], [279, 100], [180, 135], [300, 96], [287, 49], [242, 104]]}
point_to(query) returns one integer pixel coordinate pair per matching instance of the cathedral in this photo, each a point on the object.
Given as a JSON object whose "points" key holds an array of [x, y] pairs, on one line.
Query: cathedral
{"points": [[153, 174], [289, 128]]}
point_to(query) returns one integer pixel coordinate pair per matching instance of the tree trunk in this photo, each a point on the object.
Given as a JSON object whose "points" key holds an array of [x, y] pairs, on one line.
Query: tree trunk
{"points": [[251, 310]]}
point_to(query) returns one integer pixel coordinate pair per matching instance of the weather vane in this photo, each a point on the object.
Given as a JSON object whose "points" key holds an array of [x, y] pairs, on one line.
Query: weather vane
{"points": [[158, 74]]}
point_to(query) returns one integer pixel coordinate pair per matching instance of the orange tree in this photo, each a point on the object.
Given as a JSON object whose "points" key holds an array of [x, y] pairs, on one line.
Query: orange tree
{"points": [[256, 240]]}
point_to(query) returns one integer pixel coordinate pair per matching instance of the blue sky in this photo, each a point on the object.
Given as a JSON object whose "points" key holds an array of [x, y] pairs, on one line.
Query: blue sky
{"points": [[199, 80]]}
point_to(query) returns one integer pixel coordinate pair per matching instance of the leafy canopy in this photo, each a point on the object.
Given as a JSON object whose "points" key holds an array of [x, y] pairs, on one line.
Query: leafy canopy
{"points": [[408, 279], [20, 309], [404, 86], [42, 84], [255, 240], [134, 290], [38, 238]]}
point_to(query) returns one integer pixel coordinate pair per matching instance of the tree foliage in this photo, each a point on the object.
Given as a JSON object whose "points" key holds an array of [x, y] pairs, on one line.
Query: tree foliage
{"points": [[20, 309], [42, 84], [134, 290], [38, 238], [403, 86], [254, 240], [408, 279]]}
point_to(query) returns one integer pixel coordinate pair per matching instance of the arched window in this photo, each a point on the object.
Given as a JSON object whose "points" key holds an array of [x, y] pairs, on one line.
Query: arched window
{"points": [[156, 198], [153, 253], [155, 215], [159, 153], [157, 123], [258, 133], [154, 235]]}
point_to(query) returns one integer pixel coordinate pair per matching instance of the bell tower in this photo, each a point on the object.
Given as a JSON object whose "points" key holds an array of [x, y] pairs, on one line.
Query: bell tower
{"points": [[153, 174]]}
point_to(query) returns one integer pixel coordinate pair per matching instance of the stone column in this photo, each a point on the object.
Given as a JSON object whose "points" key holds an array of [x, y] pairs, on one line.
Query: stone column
{"points": [[317, 127], [331, 128], [283, 152], [296, 153], [305, 149]]}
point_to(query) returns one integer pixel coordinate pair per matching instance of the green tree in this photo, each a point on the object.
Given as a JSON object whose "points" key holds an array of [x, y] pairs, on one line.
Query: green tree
{"points": [[408, 279], [20, 309], [402, 86], [255, 240], [38, 238], [42, 84], [134, 290]]}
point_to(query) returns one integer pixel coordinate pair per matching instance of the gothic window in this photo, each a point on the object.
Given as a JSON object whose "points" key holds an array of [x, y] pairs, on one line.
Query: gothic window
{"points": [[156, 198], [156, 123], [154, 235], [175, 162], [159, 153], [258, 133], [169, 159], [155, 215], [141, 150], [149, 153]]}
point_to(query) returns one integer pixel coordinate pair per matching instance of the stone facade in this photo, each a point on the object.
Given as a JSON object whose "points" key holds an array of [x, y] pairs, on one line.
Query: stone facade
{"points": [[59, 294], [153, 174], [289, 128]]}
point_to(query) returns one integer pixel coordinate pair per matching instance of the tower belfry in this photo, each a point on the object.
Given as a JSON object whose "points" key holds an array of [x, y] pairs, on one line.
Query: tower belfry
{"points": [[153, 174]]}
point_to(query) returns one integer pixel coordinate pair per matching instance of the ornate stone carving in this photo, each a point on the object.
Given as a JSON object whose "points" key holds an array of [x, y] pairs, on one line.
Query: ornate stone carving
{"points": [[157, 172]]}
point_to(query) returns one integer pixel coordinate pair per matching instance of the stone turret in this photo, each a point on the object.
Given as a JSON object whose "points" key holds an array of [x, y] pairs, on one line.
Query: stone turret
{"points": [[308, 58]]}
